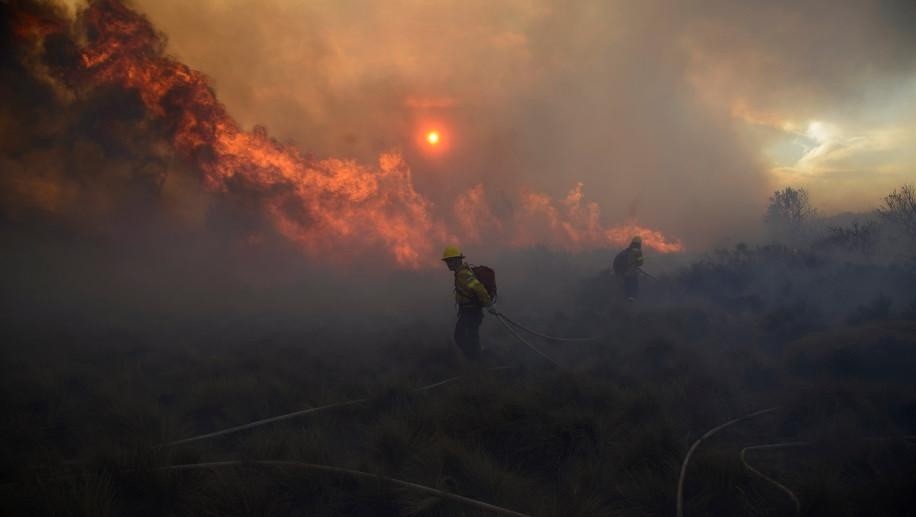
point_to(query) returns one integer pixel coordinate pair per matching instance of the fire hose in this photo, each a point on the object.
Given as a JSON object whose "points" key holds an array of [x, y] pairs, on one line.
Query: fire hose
{"points": [[508, 323], [539, 334], [353, 473], [302, 412], [707, 434], [641, 270], [743, 457], [784, 445], [503, 319], [526, 342]]}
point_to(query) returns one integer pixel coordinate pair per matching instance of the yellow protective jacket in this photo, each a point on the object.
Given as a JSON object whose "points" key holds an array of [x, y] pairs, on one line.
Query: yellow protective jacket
{"points": [[469, 292], [634, 262]]}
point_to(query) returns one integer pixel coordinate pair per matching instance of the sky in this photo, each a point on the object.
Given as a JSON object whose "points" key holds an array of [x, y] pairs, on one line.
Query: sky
{"points": [[687, 114], [567, 119], [683, 116]]}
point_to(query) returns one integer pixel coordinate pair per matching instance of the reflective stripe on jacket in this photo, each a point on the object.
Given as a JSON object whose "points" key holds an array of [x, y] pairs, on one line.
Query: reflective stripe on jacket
{"points": [[469, 290]]}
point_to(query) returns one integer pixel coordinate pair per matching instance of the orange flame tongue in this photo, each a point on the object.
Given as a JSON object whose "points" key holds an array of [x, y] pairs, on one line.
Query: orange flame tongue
{"points": [[336, 209], [327, 206], [568, 224]]}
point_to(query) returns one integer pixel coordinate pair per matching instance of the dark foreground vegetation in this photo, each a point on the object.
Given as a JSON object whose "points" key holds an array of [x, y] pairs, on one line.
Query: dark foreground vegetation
{"points": [[829, 341], [95, 373]]}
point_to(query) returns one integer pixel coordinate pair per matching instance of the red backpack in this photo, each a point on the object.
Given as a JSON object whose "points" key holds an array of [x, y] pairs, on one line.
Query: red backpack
{"points": [[486, 276]]}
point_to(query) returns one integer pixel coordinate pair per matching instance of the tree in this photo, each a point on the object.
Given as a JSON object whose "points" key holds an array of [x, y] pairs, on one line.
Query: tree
{"points": [[899, 210], [789, 212]]}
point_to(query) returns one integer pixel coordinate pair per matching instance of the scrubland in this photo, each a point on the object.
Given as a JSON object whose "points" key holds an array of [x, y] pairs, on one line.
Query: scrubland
{"points": [[827, 339]]}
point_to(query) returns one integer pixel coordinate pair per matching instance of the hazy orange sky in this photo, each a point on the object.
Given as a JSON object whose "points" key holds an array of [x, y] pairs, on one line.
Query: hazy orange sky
{"points": [[686, 114]]}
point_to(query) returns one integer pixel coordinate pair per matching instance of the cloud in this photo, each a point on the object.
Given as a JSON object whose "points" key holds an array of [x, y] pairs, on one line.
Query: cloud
{"points": [[534, 94], [652, 107], [832, 82], [851, 168]]}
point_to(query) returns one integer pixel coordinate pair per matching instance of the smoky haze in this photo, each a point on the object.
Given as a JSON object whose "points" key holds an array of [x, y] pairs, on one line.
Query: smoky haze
{"points": [[646, 105], [221, 224], [635, 103]]}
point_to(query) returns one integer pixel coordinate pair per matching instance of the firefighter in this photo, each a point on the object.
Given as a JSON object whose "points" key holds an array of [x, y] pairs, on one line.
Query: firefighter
{"points": [[471, 297], [627, 266]]}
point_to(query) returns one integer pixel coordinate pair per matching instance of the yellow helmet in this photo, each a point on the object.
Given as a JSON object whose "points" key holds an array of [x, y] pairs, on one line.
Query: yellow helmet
{"points": [[451, 251], [636, 240]]}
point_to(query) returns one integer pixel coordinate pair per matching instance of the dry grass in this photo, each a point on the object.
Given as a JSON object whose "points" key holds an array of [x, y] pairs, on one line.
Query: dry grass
{"points": [[604, 436]]}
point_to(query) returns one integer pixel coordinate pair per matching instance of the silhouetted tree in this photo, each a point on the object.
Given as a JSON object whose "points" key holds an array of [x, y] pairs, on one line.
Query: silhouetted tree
{"points": [[789, 212], [899, 210]]}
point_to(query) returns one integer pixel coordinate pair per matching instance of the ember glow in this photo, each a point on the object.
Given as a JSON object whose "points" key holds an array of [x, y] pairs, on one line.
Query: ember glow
{"points": [[330, 206]]}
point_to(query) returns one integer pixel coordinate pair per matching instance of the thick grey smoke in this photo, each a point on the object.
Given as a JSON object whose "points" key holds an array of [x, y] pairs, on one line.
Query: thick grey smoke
{"points": [[647, 104], [638, 103]]}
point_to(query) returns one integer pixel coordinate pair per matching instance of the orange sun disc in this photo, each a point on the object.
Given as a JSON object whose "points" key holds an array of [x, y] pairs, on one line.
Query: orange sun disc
{"points": [[432, 137]]}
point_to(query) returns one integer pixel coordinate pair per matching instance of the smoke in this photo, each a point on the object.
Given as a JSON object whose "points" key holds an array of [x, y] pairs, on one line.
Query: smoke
{"points": [[644, 106], [655, 106], [566, 126], [327, 205]]}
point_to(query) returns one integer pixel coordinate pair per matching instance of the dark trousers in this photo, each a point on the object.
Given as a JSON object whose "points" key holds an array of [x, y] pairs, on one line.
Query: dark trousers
{"points": [[467, 331], [631, 286]]}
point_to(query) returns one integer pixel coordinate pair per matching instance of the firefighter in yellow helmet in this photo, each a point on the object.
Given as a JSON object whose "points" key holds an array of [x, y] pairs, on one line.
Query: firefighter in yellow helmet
{"points": [[471, 297], [627, 265]]}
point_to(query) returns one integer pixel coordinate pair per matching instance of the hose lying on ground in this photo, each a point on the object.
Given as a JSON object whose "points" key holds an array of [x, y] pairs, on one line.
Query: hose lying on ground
{"points": [[264, 421], [714, 430], [525, 342], [355, 473], [303, 412], [509, 323], [783, 445], [761, 475], [502, 319], [540, 335]]}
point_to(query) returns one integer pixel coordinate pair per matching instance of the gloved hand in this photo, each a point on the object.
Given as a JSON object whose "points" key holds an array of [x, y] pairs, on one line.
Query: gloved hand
{"points": [[492, 310]]}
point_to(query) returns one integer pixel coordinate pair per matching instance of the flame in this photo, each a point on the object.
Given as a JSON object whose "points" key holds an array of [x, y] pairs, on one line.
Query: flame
{"points": [[335, 209], [576, 226], [473, 214], [569, 224]]}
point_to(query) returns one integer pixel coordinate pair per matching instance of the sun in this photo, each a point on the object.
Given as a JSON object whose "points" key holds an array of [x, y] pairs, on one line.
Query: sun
{"points": [[433, 138]]}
